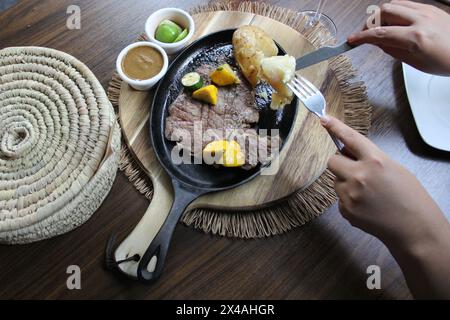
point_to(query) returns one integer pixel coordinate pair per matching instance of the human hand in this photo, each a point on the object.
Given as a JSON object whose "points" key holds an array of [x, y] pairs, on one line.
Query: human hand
{"points": [[378, 195], [415, 33]]}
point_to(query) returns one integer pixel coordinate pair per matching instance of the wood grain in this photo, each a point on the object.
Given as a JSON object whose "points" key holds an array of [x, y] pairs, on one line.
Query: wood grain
{"points": [[325, 259], [301, 161], [306, 152]]}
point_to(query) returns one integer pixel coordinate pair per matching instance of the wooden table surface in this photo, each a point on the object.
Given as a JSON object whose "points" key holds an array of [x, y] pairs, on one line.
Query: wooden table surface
{"points": [[326, 259]]}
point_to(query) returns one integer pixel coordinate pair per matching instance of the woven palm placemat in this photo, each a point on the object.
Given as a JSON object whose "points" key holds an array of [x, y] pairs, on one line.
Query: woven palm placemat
{"points": [[300, 207], [59, 144]]}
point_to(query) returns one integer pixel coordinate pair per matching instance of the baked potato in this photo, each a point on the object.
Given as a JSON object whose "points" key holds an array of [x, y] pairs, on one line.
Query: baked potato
{"points": [[277, 71], [251, 44]]}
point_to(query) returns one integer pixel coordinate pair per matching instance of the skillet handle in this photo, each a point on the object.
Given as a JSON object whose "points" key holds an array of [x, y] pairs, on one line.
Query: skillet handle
{"points": [[152, 263], [145, 231]]}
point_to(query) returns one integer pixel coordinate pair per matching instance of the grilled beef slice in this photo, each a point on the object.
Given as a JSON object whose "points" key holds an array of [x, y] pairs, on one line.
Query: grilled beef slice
{"points": [[233, 115]]}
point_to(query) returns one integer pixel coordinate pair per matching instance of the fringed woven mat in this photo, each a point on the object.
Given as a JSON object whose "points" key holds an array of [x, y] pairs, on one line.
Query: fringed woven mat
{"points": [[301, 207]]}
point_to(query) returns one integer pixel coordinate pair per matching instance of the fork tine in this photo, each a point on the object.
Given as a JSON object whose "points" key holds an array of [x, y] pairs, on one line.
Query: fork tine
{"points": [[296, 92], [301, 88], [308, 83], [304, 86]]}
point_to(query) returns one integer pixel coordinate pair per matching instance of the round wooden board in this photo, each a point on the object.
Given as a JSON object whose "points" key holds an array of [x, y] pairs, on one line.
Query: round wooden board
{"points": [[305, 154], [302, 160]]}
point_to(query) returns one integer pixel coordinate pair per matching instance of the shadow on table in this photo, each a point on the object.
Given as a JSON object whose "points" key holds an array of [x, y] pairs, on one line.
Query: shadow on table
{"points": [[346, 252], [325, 259]]}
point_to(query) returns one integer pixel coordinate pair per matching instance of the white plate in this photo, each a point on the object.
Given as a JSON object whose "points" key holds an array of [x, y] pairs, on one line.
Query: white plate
{"points": [[429, 97]]}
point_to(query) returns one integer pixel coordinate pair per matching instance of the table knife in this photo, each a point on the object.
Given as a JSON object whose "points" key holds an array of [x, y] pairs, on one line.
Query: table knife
{"points": [[322, 54]]}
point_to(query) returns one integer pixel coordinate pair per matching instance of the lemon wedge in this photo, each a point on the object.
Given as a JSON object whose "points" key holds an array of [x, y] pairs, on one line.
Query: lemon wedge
{"points": [[207, 94], [226, 153], [224, 76]]}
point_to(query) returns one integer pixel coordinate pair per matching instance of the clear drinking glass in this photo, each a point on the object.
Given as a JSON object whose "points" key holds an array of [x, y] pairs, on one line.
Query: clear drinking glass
{"points": [[317, 16]]}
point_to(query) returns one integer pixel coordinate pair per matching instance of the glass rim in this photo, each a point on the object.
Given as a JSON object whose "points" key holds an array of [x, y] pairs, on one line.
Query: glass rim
{"points": [[327, 22], [322, 14]]}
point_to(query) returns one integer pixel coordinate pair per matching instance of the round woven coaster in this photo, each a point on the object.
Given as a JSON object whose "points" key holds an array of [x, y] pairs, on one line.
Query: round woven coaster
{"points": [[59, 144], [300, 207]]}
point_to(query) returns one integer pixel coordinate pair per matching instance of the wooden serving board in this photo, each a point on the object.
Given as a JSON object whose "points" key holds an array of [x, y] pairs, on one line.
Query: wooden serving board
{"points": [[302, 160]]}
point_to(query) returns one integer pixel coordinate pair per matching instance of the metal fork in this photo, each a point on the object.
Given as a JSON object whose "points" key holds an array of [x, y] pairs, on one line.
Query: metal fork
{"points": [[313, 100]]}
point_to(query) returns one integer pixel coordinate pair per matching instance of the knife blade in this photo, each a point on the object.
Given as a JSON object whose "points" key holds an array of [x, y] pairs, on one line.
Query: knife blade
{"points": [[322, 54]]}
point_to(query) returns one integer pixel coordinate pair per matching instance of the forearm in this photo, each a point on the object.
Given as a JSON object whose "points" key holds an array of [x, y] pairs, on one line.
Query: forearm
{"points": [[426, 263], [384, 199]]}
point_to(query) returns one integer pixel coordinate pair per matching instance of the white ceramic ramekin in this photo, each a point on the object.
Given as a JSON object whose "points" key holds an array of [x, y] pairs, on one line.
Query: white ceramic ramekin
{"points": [[178, 16], [142, 85]]}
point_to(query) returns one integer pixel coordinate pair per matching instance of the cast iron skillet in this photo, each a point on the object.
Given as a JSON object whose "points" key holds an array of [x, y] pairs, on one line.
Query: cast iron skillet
{"points": [[190, 180]]}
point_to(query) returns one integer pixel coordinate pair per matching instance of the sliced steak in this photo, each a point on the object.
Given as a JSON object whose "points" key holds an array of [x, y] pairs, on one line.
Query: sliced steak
{"points": [[193, 124]]}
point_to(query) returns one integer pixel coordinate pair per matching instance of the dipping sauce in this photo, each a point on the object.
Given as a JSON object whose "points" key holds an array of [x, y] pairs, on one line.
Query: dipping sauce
{"points": [[142, 63]]}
